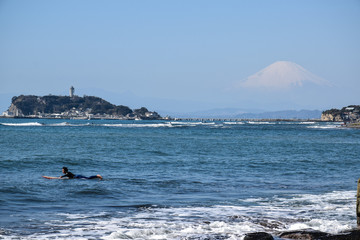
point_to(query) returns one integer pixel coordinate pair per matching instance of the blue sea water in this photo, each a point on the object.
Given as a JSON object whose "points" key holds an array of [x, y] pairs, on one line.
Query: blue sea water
{"points": [[175, 180]]}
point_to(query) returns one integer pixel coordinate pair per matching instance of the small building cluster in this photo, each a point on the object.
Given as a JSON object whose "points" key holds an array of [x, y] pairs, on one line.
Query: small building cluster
{"points": [[75, 113], [351, 115]]}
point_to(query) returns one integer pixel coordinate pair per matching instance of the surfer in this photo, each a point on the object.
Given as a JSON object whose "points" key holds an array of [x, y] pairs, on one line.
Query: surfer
{"points": [[70, 175]]}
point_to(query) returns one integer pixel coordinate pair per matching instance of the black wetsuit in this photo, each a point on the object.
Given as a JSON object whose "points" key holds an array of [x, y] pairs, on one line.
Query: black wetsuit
{"points": [[70, 175]]}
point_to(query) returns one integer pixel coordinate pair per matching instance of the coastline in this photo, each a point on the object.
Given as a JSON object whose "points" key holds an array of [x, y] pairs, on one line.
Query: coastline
{"points": [[85, 118], [113, 117]]}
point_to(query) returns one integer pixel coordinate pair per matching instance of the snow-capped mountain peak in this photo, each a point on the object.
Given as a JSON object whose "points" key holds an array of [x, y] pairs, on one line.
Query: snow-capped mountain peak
{"points": [[280, 75]]}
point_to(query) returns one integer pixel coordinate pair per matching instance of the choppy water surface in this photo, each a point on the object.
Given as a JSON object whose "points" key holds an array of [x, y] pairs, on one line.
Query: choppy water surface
{"points": [[175, 180]]}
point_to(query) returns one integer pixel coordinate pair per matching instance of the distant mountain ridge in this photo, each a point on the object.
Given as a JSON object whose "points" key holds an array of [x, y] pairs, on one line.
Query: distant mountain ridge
{"points": [[286, 114], [233, 113]]}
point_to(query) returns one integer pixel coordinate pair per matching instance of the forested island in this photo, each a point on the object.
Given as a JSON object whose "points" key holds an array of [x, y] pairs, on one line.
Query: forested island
{"points": [[75, 107]]}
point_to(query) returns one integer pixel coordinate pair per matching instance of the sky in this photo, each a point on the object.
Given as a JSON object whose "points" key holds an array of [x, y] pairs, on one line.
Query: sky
{"points": [[180, 56]]}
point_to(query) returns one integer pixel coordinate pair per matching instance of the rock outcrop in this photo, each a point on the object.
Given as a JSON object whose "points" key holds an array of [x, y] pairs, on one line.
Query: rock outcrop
{"points": [[317, 235], [328, 117], [305, 235], [258, 236]]}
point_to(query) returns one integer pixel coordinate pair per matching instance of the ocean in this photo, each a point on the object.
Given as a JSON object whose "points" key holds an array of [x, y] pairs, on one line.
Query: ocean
{"points": [[175, 180]]}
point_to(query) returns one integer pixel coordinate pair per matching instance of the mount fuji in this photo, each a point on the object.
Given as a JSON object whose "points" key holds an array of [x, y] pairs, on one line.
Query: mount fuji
{"points": [[282, 75]]}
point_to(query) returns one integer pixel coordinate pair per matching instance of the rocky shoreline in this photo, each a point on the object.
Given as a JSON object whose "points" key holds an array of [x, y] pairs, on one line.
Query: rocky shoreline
{"points": [[305, 235]]}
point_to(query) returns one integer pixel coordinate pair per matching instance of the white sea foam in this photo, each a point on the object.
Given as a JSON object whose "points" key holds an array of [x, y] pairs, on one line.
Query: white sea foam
{"points": [[307, 122], [125, 125], [328, 126], [29, 124], [332, 212], [178, 124], [37, 124], [260, 123], [140, 125], [193, 123], [60, 124], [162, 124], [234, 123]]}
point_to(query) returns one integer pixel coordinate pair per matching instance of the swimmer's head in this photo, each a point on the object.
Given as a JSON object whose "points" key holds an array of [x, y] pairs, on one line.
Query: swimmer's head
{"points": [[65, 169]]}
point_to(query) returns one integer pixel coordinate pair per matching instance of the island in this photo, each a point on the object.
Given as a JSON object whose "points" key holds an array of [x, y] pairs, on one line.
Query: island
{"points": [[74, 107]]}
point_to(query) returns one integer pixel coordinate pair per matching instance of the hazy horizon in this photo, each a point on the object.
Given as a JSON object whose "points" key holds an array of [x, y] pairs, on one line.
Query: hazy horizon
{"points": [[184, 56]]}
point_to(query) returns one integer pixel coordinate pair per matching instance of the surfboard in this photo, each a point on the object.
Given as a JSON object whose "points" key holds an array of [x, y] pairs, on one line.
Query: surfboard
{"points": [[47, 177]]}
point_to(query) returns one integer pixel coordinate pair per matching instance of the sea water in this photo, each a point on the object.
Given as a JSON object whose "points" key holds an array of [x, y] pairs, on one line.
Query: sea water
{"points": [[175, 180]]}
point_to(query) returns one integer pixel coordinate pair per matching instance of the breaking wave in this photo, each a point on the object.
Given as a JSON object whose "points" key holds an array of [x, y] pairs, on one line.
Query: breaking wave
{"points": [[327, 126], [153, 125], [29, 124], [331, 212], [176, 124]]}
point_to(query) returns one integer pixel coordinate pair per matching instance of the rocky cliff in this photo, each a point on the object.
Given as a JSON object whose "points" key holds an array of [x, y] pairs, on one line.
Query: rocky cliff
{"points": [[331, 117]]}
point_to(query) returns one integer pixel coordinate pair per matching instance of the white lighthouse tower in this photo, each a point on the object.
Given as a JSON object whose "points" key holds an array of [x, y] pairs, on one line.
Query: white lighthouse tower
{"points": [[72, 90]]}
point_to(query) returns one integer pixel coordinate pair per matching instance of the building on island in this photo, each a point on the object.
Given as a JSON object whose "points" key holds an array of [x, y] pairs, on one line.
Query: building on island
{"points": [[351, 115], [72, 90], [9, 113]]}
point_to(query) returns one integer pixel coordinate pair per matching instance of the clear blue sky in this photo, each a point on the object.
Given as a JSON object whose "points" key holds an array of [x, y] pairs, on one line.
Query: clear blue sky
{"points": [[178, 55]]}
